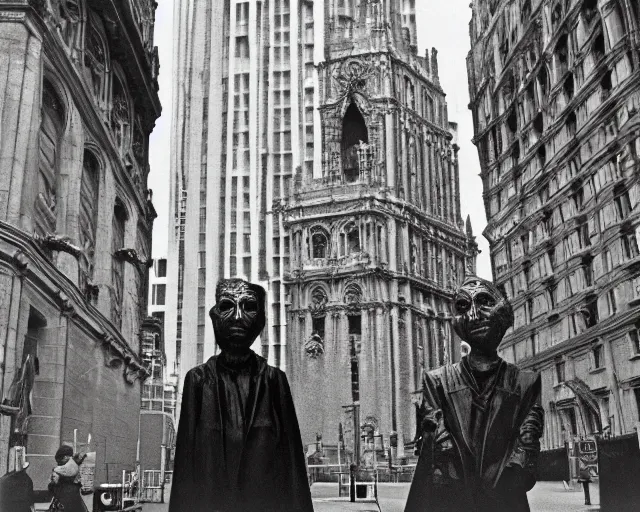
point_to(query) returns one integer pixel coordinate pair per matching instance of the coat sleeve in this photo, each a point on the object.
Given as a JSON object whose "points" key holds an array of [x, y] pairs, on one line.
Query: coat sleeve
{"points": [[299, 493], [524, 457], [184, 486]]}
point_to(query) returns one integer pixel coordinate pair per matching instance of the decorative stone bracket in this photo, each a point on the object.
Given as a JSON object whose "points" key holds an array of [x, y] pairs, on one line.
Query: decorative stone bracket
{"points": [[114, 358], [131, 256], [60, 243]]}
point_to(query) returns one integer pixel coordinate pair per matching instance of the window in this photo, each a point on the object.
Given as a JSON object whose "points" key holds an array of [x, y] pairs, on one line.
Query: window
{"points": [[88, 219], [355, 324], [160, 294], [560, 372], [161, 268], [317, 326], [353, 240], [636, 392], [355, 368], [117, 265], [597, 357], [611, 302], [51, 130], [571, 418], [634, 340], [630, 244], [354, 132], [623, 204], [320, 244]]}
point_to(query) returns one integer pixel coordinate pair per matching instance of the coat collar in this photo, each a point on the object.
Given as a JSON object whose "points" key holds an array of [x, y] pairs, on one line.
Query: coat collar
{"points": [[460, 386], [259, 367]]}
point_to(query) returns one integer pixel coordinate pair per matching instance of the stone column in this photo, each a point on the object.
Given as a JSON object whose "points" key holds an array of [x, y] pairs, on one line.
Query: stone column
{"points": [[390, 149], [10, 298], [20, 83], [403, 167]]}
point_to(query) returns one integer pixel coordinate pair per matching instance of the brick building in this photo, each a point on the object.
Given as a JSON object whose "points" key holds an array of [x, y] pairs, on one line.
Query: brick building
{"points": [[78, 99], [555, 95]]}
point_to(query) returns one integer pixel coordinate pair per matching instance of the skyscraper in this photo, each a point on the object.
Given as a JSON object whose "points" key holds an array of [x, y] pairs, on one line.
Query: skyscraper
{"points": [[554, 93], [313, 155]]}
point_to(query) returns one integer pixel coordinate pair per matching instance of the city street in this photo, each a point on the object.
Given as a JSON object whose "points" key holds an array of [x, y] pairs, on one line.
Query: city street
{"points": [[545, 497]]}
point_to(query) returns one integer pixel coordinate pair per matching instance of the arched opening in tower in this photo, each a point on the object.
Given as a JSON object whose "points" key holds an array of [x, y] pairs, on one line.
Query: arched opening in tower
{"points": [[354, 132], [355, 332]]}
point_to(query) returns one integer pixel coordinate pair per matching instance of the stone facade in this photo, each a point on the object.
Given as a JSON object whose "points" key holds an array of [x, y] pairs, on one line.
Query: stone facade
{"points": [[78, 99], [328, 128], [555, 95], [377, 243]]}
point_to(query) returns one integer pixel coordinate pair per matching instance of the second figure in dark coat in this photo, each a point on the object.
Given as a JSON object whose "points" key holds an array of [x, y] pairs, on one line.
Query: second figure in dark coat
{"points": [[238, 445]]}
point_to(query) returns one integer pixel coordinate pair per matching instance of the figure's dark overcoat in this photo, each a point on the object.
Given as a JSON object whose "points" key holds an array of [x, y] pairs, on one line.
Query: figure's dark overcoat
{"points": [[272, 474], [482, 481]]}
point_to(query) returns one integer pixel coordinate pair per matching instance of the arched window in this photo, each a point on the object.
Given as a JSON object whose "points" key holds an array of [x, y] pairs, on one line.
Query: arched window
{"points": [[96, 59], [139, 144], [354, 132], [121, 115], [589, 10], [117, 265], [353, 239], [319, 243], [410, 93], [615, 24], [69, 18], [562, 56], [429, 110], [88, 220], [51, 130], [355, 331]]}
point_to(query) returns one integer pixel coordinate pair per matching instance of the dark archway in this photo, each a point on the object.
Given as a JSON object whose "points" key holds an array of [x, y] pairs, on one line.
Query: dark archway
{"points": [[354, 131]]}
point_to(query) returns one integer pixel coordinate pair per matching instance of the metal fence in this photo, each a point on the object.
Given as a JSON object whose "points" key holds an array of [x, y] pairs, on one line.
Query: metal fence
{"points": [[152, 486]]}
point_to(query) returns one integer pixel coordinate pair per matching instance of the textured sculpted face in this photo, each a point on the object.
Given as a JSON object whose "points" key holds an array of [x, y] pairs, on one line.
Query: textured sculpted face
{"points": [[239, 314], [482, 314]]}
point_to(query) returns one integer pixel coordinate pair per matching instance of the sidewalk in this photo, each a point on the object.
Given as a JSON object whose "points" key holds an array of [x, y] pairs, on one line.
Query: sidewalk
{"points": [[544, 497]]}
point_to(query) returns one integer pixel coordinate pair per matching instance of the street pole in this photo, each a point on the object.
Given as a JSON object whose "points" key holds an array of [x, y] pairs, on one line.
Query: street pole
{"points": [[163, 463]]}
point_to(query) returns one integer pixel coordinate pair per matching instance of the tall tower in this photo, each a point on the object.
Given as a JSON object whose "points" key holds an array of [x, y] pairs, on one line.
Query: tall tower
{"points": [[377, 242], [312, 155]]}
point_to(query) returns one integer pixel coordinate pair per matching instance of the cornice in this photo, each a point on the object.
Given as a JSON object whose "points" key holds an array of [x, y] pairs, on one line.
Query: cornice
{"points": [[31, 264], [604, 328]]}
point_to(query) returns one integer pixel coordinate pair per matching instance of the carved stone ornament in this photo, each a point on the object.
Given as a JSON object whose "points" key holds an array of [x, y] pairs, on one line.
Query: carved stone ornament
{"points": [[319, 301], [314, 346], [133, 372], [120, 109], [66, 305], [60, 243], [350, 78], [131, 256], [352, 294], [21, 262]]}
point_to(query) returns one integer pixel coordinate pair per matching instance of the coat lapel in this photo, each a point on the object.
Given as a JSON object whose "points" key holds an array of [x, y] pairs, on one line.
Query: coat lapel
{"points": [[460, 392], [255, 393], [502, 414]]}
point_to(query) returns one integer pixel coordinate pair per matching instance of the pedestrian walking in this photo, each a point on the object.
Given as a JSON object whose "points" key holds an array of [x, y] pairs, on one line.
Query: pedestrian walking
{"points": [[585, 478], [65, 482]]}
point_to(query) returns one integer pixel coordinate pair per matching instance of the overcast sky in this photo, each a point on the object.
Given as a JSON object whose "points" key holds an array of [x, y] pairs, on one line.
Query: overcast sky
{"points": [[443, 25]]}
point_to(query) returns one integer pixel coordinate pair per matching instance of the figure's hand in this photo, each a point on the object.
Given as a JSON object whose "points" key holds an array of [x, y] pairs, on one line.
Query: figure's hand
{"points": [[515, 480], [430, 422]]}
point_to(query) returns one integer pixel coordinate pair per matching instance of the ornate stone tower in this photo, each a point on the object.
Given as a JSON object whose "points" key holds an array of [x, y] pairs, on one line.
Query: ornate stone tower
{"points": [[377, 241]]}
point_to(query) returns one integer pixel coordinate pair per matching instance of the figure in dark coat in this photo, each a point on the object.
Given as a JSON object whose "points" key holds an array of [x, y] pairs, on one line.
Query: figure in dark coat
{"points": [[16, 491], [481, 419], [238, 446], [65, 482]]}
